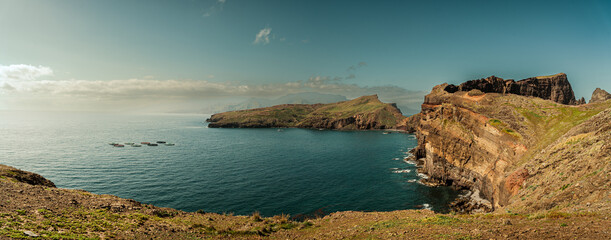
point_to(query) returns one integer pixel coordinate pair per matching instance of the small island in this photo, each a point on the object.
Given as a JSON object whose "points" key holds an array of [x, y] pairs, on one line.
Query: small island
{"points": [[363, 113]]}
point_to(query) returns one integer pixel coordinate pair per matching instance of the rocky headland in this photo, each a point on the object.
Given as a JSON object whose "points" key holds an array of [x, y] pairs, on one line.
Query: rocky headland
{"points": [[525, 146], [362, 113]]}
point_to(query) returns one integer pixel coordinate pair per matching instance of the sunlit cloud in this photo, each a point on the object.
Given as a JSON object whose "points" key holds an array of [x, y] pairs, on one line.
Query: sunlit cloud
{"points": [[263, 36], [23, 72]]}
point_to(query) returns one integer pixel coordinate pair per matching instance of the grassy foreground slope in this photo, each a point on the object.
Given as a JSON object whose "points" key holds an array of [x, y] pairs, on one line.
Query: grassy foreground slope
{"points": [[44, 212], [366, 112]]}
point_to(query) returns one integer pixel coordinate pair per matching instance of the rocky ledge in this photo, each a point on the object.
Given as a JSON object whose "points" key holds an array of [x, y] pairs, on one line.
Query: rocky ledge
{"points": [[481, 137], [554, 87], [362, 113]]}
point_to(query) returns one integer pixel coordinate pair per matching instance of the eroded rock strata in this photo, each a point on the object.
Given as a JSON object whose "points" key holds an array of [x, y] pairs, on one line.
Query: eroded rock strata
{"points": [[554, 87], [479, 136]]}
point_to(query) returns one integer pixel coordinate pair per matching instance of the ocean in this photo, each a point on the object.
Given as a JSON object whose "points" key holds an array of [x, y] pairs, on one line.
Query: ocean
{"points": [[300, 172]]}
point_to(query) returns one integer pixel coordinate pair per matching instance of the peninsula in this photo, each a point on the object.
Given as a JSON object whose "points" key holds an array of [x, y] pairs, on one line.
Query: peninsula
{"points": [[362, 113]]}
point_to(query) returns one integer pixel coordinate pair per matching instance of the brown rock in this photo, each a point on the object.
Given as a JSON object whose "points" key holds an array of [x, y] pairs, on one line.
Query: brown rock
{"points": [[599, 95], [485, 142], [555, 87], [514, 181]]}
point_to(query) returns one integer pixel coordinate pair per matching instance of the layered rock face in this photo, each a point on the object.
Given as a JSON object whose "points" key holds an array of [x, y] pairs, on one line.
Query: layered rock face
{"points": [[478, 137], [459, 146], [599, 95], [362, 113], [555, 87]]}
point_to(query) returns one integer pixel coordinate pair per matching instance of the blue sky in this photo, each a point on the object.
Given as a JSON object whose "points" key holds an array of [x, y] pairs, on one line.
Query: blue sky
{"points": [[73, 49]]}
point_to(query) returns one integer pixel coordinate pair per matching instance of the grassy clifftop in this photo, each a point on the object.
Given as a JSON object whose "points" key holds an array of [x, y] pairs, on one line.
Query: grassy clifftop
{"points": [[366, 112]]}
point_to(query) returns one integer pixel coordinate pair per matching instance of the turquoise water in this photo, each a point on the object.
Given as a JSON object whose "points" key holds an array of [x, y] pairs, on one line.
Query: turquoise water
{"points": [[294, 171]]}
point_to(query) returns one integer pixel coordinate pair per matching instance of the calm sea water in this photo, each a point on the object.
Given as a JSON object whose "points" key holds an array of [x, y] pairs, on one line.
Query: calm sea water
{"points": [[294, 171]]}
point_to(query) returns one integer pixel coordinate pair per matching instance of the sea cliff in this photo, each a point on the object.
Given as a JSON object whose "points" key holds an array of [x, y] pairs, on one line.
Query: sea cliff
{"points": [[494, 137]]}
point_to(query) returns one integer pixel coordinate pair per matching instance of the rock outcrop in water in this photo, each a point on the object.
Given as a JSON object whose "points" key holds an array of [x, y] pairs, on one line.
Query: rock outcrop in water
{"points": [[555, 87], [479, 136], [362, 113]]}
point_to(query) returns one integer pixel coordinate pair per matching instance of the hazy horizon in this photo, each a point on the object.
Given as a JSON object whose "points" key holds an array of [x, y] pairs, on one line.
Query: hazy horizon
{"points": [[193, 56]]}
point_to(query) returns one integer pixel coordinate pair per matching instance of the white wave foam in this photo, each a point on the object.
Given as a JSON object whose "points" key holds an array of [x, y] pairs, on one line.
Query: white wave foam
{"points": [[396, 159], [412, 180], [423, 176], [427, 206], [410, 162], [402, 171]]}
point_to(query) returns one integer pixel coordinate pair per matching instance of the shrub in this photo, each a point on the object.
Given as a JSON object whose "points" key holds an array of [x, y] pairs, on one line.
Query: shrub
{"points": [[475, 92], [256, 216]]}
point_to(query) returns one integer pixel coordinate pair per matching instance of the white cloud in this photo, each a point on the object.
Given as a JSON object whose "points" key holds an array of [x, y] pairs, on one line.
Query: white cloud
{"points": [[218, 6], [8, 87], [23, 72], [263, 36], [191, 94]]}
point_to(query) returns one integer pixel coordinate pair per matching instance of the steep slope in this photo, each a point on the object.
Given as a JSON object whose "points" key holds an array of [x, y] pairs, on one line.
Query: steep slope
{"points": [[484, 141], [572, 173], [366, 112]]}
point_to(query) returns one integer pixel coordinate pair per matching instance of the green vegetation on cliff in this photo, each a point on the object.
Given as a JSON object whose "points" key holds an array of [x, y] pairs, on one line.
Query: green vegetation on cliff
{"points": [[366, 112]]}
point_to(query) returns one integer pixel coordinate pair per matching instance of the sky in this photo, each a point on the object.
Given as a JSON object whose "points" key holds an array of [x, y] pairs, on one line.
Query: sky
{"points": [[188, 54]]}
